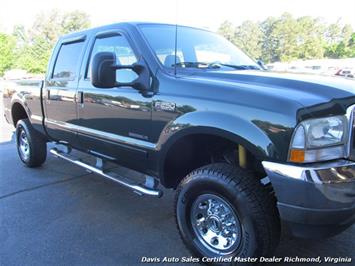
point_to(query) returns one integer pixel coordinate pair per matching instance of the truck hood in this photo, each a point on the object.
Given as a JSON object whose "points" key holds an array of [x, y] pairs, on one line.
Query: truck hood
{"points": [[307, 90]]}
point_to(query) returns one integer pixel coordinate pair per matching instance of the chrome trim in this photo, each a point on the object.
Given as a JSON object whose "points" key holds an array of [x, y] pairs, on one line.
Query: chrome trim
{"points": [[104, 135], [36, 117], [350, 116], [112, 176], [309, 172], [100, 155], [216, 224], [23, 145]]}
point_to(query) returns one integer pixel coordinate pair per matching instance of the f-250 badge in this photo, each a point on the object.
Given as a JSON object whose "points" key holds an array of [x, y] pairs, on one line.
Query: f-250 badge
{"points": [[164, 106]]}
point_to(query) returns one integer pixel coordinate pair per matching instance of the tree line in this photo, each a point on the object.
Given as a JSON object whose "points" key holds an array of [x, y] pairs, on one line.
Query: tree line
{"points": [[30, 49], [287, 38], [283, 38]]}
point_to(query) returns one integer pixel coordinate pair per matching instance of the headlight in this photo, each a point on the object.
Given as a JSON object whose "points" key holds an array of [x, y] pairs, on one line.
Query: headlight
{"points": [[319, 139]]}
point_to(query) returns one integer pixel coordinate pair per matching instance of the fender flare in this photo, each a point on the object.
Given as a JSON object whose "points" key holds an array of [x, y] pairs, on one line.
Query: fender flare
{"points": [[17, 100], [231, 127]]}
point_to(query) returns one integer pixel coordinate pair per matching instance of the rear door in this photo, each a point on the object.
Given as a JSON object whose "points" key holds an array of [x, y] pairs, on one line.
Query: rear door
{"points": [[60, 90]]}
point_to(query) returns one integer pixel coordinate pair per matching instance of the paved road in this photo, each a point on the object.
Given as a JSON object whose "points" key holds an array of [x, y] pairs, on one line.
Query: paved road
{"points": [[59, 214]]}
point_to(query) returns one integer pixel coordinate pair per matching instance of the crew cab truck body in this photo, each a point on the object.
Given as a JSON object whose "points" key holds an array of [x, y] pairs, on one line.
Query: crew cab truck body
{"points": [[245, 148]]}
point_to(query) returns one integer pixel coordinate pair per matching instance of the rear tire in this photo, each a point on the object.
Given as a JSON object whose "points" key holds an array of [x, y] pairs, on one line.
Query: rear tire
{"points": [[31, 146], [224, 211]]}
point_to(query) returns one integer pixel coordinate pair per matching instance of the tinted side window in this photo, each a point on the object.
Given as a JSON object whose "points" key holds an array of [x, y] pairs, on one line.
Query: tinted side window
{"points": [[67, 60], [117, 44]]}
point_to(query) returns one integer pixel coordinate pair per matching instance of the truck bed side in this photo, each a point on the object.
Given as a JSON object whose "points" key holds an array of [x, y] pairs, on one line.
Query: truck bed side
{"points": [[22, 98]]}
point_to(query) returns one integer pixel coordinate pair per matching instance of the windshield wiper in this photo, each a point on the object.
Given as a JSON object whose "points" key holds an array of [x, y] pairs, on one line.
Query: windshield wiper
{"points": [[214, 65], [192, 64], [238, 67]]}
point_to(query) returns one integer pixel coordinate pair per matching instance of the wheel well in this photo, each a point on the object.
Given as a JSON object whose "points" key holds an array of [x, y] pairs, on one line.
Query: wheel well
{"points": [[194, 151], [18, 113]]}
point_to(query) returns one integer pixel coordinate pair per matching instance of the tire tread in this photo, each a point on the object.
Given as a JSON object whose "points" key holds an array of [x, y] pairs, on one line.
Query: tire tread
{"points": [[262, 202], [37, 143]]}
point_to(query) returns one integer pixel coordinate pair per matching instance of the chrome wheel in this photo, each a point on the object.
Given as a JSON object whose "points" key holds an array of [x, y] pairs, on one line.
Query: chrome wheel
{"points": [[24, 146], [216, 224]]}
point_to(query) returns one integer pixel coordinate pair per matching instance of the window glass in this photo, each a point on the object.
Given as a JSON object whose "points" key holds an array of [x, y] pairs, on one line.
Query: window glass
{"points": [[193, 45], [162, 41], [166, 56], [68, 60], [124, 55], [209, 52]]}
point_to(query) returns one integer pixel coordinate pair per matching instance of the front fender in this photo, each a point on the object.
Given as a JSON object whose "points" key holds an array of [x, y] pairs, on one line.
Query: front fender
{"points": [[253, 135]]}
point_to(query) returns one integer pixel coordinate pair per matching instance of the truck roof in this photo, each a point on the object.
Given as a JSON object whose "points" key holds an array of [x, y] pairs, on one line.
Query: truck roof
{"points": [[121, 24]]}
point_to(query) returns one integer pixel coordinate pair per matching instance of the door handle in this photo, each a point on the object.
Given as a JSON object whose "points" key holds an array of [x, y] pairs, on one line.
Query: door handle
{"points": [[80, 98], [48, 96]]}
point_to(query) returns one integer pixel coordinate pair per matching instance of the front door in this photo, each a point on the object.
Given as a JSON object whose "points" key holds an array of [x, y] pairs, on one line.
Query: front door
{"points": [[115, 122]]}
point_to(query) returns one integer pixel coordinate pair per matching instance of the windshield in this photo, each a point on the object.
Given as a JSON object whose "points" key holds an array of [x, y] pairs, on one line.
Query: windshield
{"points": [[195, 48]]}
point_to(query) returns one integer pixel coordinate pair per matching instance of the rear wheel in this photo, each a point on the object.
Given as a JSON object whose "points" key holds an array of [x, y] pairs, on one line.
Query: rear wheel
{"points": [[224, 211], [31, 146]]}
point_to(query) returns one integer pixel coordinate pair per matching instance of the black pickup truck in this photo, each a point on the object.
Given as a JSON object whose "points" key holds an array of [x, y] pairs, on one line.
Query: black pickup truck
{"points": [[250, 152]]}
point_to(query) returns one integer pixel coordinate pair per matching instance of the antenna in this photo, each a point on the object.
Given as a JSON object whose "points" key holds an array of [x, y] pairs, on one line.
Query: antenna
{"points": [[176, 28]]}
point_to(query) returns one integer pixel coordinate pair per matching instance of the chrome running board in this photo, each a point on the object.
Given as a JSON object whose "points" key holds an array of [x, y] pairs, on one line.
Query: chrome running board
{"points": [[139, 189]]}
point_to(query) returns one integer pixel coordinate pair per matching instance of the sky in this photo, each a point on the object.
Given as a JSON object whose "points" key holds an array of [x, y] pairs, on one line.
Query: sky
{"points": [[207, 14]]}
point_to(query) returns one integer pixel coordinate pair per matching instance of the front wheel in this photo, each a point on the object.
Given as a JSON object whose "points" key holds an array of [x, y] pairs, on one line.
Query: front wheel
{"points": [[224, 211], [31, 146]]}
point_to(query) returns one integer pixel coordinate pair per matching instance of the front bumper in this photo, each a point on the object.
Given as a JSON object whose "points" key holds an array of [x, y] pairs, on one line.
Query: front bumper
{"points": [[316, 200]]}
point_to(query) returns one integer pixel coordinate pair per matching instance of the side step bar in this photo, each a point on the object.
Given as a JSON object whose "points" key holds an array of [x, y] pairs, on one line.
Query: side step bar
{"points": [[139, 189]]}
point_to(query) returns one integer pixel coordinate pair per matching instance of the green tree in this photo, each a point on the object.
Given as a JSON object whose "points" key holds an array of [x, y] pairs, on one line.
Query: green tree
{"points": [[227, 30], [333, 33], [347, 31], [7, 45], [249, 38], [310, 38], [285, 36], [34, 57], [269, 43], [74, 21], [338, 40], [34, 46], [351, 45]]}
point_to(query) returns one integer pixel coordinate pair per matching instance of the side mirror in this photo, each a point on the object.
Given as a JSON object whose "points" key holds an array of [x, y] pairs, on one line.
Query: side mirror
{"points": [[261, 64], [103, 72]]}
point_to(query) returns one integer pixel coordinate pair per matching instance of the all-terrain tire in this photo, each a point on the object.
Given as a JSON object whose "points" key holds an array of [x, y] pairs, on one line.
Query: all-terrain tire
{"points": [[31, 145], [253, 205]]}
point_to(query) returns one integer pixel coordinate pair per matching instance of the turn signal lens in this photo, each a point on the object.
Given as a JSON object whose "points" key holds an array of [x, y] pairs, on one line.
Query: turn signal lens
{"points": [[297, 156]]}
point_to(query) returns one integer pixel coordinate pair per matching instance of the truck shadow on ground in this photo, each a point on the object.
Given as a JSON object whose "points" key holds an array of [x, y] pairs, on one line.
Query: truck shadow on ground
{"points": [[10, 140]]}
